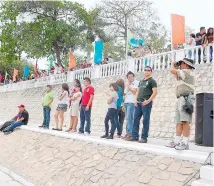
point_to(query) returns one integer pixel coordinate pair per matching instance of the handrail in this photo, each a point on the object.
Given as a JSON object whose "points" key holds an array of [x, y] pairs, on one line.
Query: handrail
{"points": [[158, 61]]}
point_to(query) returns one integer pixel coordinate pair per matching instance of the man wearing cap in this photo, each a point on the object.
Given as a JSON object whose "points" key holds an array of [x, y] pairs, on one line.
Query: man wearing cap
{"points": [[47, 103], [185, 99], [22, 119]]}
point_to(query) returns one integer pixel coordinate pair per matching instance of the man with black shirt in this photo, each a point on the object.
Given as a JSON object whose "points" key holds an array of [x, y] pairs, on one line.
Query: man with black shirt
{"points": [[200, 41], [146, 92], [22, 119]]}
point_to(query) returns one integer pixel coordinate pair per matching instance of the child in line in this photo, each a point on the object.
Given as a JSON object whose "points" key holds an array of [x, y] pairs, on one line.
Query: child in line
{"points": [[112, 111]]}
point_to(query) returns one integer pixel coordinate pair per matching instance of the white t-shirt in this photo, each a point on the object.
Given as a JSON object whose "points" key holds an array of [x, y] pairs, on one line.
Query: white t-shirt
{"points": [[113, 104], [193, 42], [77, 101], [129, 96], [65, 99]]}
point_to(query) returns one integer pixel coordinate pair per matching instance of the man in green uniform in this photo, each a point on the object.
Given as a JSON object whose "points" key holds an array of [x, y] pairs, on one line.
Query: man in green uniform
{"points": [[146, 92]]}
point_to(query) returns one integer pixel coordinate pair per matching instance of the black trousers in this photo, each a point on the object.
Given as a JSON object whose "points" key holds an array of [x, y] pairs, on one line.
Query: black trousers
{"points": [[111, 114]]}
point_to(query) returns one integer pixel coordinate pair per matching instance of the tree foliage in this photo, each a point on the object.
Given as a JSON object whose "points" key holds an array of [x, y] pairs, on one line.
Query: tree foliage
{"points": [[52, 27], [136, 16], [44, 28]]}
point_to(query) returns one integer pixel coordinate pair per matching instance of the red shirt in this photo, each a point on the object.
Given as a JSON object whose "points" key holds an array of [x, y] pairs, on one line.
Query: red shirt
{"points": [[88, 91]]}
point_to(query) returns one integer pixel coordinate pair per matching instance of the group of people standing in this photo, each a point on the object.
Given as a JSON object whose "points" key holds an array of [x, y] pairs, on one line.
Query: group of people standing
{"points": [[78, 101], [130, 101], [202, 38]]}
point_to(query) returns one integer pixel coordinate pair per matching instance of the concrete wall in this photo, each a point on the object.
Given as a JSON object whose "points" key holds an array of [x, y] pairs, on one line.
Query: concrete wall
{"points": [[163, 112]]}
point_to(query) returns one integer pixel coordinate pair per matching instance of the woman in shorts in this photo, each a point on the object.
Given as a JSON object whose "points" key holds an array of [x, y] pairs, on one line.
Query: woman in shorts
{"points": [[75, 108], [76, 83], [62, 107]]}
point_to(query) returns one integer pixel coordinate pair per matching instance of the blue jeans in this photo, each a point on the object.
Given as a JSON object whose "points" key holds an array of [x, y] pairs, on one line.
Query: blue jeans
{"points": [[191, 55], [85, 116], [46, 113], [111, 115], [119, 119], [14, 125], [140, 111], [211, 53], [129, 110]]}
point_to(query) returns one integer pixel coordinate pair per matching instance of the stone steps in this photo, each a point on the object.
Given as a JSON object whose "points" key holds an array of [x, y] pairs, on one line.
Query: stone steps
{"points": [[48, 158], [202, 182], [207, 172], [206, 175], [190, 155]]}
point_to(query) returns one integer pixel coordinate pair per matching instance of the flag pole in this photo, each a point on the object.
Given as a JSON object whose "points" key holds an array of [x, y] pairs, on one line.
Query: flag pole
{"points": [[126, 42], [5, 77], [171, 31]]}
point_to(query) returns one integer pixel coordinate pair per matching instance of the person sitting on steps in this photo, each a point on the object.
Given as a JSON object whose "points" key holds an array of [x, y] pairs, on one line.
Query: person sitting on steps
{"points": [[22, 119], [8, 123]]}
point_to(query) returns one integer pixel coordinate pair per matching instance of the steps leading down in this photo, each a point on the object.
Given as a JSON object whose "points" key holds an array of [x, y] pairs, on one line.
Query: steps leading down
{"points": [[206, 175]]}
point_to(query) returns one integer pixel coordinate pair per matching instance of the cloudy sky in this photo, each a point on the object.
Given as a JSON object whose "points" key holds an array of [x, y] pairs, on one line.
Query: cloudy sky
{"points": [[197, 13]]}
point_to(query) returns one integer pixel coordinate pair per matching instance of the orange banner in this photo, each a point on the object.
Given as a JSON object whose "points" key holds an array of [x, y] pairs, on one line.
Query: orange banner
{"points": [[72, 61], [15, 73], [178, 29]]}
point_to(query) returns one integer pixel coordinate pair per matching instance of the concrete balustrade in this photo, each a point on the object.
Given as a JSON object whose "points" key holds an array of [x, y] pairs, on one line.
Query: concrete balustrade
{"points": [[156, 61]]}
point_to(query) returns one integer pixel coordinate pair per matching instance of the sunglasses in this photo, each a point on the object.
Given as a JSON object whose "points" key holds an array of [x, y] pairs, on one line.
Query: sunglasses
{"points": [[147, 70]]}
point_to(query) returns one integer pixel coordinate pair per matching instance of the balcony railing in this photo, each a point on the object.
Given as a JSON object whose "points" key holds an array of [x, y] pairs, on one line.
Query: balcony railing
{"points": [[161, 61]]}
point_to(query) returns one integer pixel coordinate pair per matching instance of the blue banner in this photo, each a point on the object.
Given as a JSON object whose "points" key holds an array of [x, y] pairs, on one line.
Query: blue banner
{"points": [[98, 52], [26, 71]]}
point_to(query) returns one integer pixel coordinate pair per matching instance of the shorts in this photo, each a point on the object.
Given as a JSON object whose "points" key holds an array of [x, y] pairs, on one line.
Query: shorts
{"points": [[75, 109], [180, 114], [62, 107]]}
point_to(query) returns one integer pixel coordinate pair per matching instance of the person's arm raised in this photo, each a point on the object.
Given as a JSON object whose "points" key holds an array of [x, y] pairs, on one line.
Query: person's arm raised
{"points": [[174, 69]]}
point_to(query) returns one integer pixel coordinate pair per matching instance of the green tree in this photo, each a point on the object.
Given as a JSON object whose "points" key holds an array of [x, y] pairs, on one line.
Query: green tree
{"points": [[53, 28], [137, 16]]}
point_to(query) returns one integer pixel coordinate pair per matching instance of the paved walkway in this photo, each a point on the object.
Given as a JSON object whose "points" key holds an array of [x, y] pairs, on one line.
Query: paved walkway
{"points": [[6, 180], [50, 160]]}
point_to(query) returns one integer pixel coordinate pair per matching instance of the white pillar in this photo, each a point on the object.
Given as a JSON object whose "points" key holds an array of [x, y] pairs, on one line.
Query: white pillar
{"points": [[97, 71], [131, 64], [70, 76]]}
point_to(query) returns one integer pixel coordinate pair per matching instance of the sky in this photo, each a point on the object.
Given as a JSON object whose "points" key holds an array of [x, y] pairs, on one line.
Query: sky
{"points": [[197, 13]]}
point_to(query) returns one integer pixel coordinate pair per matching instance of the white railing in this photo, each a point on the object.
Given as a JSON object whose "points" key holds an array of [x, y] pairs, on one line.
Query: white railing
{"points": [[198, 54], [113, 69], [161, 61], [82, 73]]}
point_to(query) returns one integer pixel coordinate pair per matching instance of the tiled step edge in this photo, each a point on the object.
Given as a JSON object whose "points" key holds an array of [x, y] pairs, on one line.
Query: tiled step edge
{"points": [[201, 182], [207, 172], [15, 176], [189, 155]]}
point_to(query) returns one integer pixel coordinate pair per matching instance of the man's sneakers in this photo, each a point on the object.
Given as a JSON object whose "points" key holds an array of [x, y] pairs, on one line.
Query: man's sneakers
{"points": [[87, 134], [142, 140], [179, 146], [171, 144], [104, 136], [6, 132], [182, 146], [110, 137], [131, 139]]}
